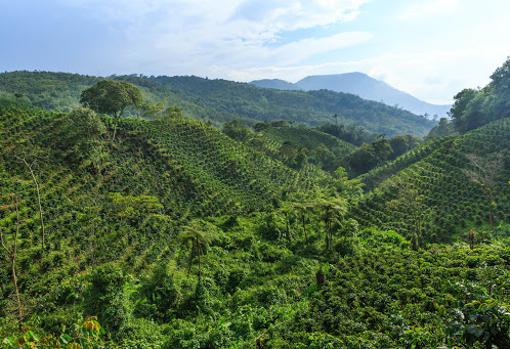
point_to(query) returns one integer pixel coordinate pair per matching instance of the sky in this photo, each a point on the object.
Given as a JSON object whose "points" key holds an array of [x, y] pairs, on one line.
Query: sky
{"points": [[429, 48]]}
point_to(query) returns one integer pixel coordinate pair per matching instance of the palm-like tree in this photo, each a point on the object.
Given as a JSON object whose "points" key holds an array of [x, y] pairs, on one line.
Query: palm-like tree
{"points": [[198, 237], [333, 212]]}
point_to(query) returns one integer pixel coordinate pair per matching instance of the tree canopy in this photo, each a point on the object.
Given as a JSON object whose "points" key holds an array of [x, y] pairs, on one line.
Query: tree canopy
{"points": [[476, 107], [111, 97]]}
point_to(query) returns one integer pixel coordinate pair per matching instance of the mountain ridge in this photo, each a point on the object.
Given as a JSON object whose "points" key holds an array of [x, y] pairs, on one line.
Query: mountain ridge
{"points": [[219, 101], [362, 85]]}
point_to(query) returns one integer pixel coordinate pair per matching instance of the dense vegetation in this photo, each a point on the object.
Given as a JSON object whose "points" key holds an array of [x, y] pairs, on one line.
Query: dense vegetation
{"points": [[219, 101], [170, 233], [295, 146], [443, 186], [474, 108], [382, 150]]}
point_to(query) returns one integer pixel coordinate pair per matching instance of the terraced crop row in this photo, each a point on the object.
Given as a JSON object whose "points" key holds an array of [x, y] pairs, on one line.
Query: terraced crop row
{"points": [[193, 169], [440, 180]]}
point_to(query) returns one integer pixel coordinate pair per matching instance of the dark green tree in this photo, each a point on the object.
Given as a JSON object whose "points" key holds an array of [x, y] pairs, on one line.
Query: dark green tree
{"points": [[108, 298], [111, 97], [198, 236]]}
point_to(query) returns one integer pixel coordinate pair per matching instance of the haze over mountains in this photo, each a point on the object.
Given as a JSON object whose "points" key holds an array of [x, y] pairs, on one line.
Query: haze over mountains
{"points": [[363, 86]]}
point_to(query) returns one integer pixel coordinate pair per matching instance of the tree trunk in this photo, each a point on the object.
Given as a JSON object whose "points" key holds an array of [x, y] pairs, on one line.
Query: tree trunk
{"points": [[41, 216]]}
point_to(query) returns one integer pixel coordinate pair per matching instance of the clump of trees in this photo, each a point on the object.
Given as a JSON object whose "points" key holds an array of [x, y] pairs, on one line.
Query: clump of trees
{"points": [[350, 133], [476, 107], [369, 156]]}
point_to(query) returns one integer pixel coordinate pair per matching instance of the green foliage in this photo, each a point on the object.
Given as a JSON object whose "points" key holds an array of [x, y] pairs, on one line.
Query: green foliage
{"points": [[111, 97], [475, 108], [108, 298], [445, 128], [220, 101], [79, 138], [454, 188], [88, 335], [163, 296], [179, 236], [370, 156], [351, 134], [294, 146]]}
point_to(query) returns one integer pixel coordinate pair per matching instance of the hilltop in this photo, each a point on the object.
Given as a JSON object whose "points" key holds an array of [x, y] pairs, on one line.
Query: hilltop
{"points": [[220, 101]]}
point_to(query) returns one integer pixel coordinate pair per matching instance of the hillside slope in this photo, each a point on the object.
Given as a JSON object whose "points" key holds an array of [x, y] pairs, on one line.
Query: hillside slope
{"points": [[221, 100], [193, 169], [443, 187], [294, 146], [129, 263]]}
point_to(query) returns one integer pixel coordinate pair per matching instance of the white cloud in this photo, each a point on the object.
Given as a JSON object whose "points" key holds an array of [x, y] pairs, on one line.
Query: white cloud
{"points": [[432, 76], [449, 45], [427, 8], [190, 36]]}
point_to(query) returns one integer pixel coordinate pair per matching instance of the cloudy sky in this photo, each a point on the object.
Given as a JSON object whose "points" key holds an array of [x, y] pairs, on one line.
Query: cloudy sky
{"points": [[430, 48]]}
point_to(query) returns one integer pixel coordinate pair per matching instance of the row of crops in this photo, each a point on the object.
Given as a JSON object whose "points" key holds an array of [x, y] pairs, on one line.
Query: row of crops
{"points": [[192, 168], [446, 192]]}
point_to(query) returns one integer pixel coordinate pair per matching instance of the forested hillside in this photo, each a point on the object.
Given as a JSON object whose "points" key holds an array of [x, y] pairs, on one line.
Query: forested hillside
{"points": [[220, 101], [443, 187], [294, 146], [121, 231]]}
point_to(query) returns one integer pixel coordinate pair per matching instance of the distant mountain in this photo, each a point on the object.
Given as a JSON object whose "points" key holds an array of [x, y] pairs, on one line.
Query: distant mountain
{"points": [[219, 101], [363, 86], [275, 83]]}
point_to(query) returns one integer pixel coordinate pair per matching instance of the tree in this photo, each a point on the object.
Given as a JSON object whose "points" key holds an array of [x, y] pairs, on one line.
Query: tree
{"points": [[474, 108], [150, 111], [402, 144], [303, 210], [39, 204], [236, 130], [443, 129], [333, 211], [28, 155], [80, 137], [108, 298], [351, 189], [362, 160], [171, 113], [417, 213], [501, 77], [198, 234], [111, 97]]}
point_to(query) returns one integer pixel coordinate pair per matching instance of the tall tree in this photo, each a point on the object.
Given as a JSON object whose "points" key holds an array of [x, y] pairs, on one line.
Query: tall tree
{"points": [[29, 155], [332, 211], [198, 234], [111, 97]]}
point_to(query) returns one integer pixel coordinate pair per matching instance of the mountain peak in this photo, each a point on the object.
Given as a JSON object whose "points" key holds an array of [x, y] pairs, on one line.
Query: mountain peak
{"points": [[362, 85]]}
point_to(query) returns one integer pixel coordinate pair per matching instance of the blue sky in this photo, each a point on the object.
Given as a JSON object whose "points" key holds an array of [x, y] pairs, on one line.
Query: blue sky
{"points": [[430, 48]]}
